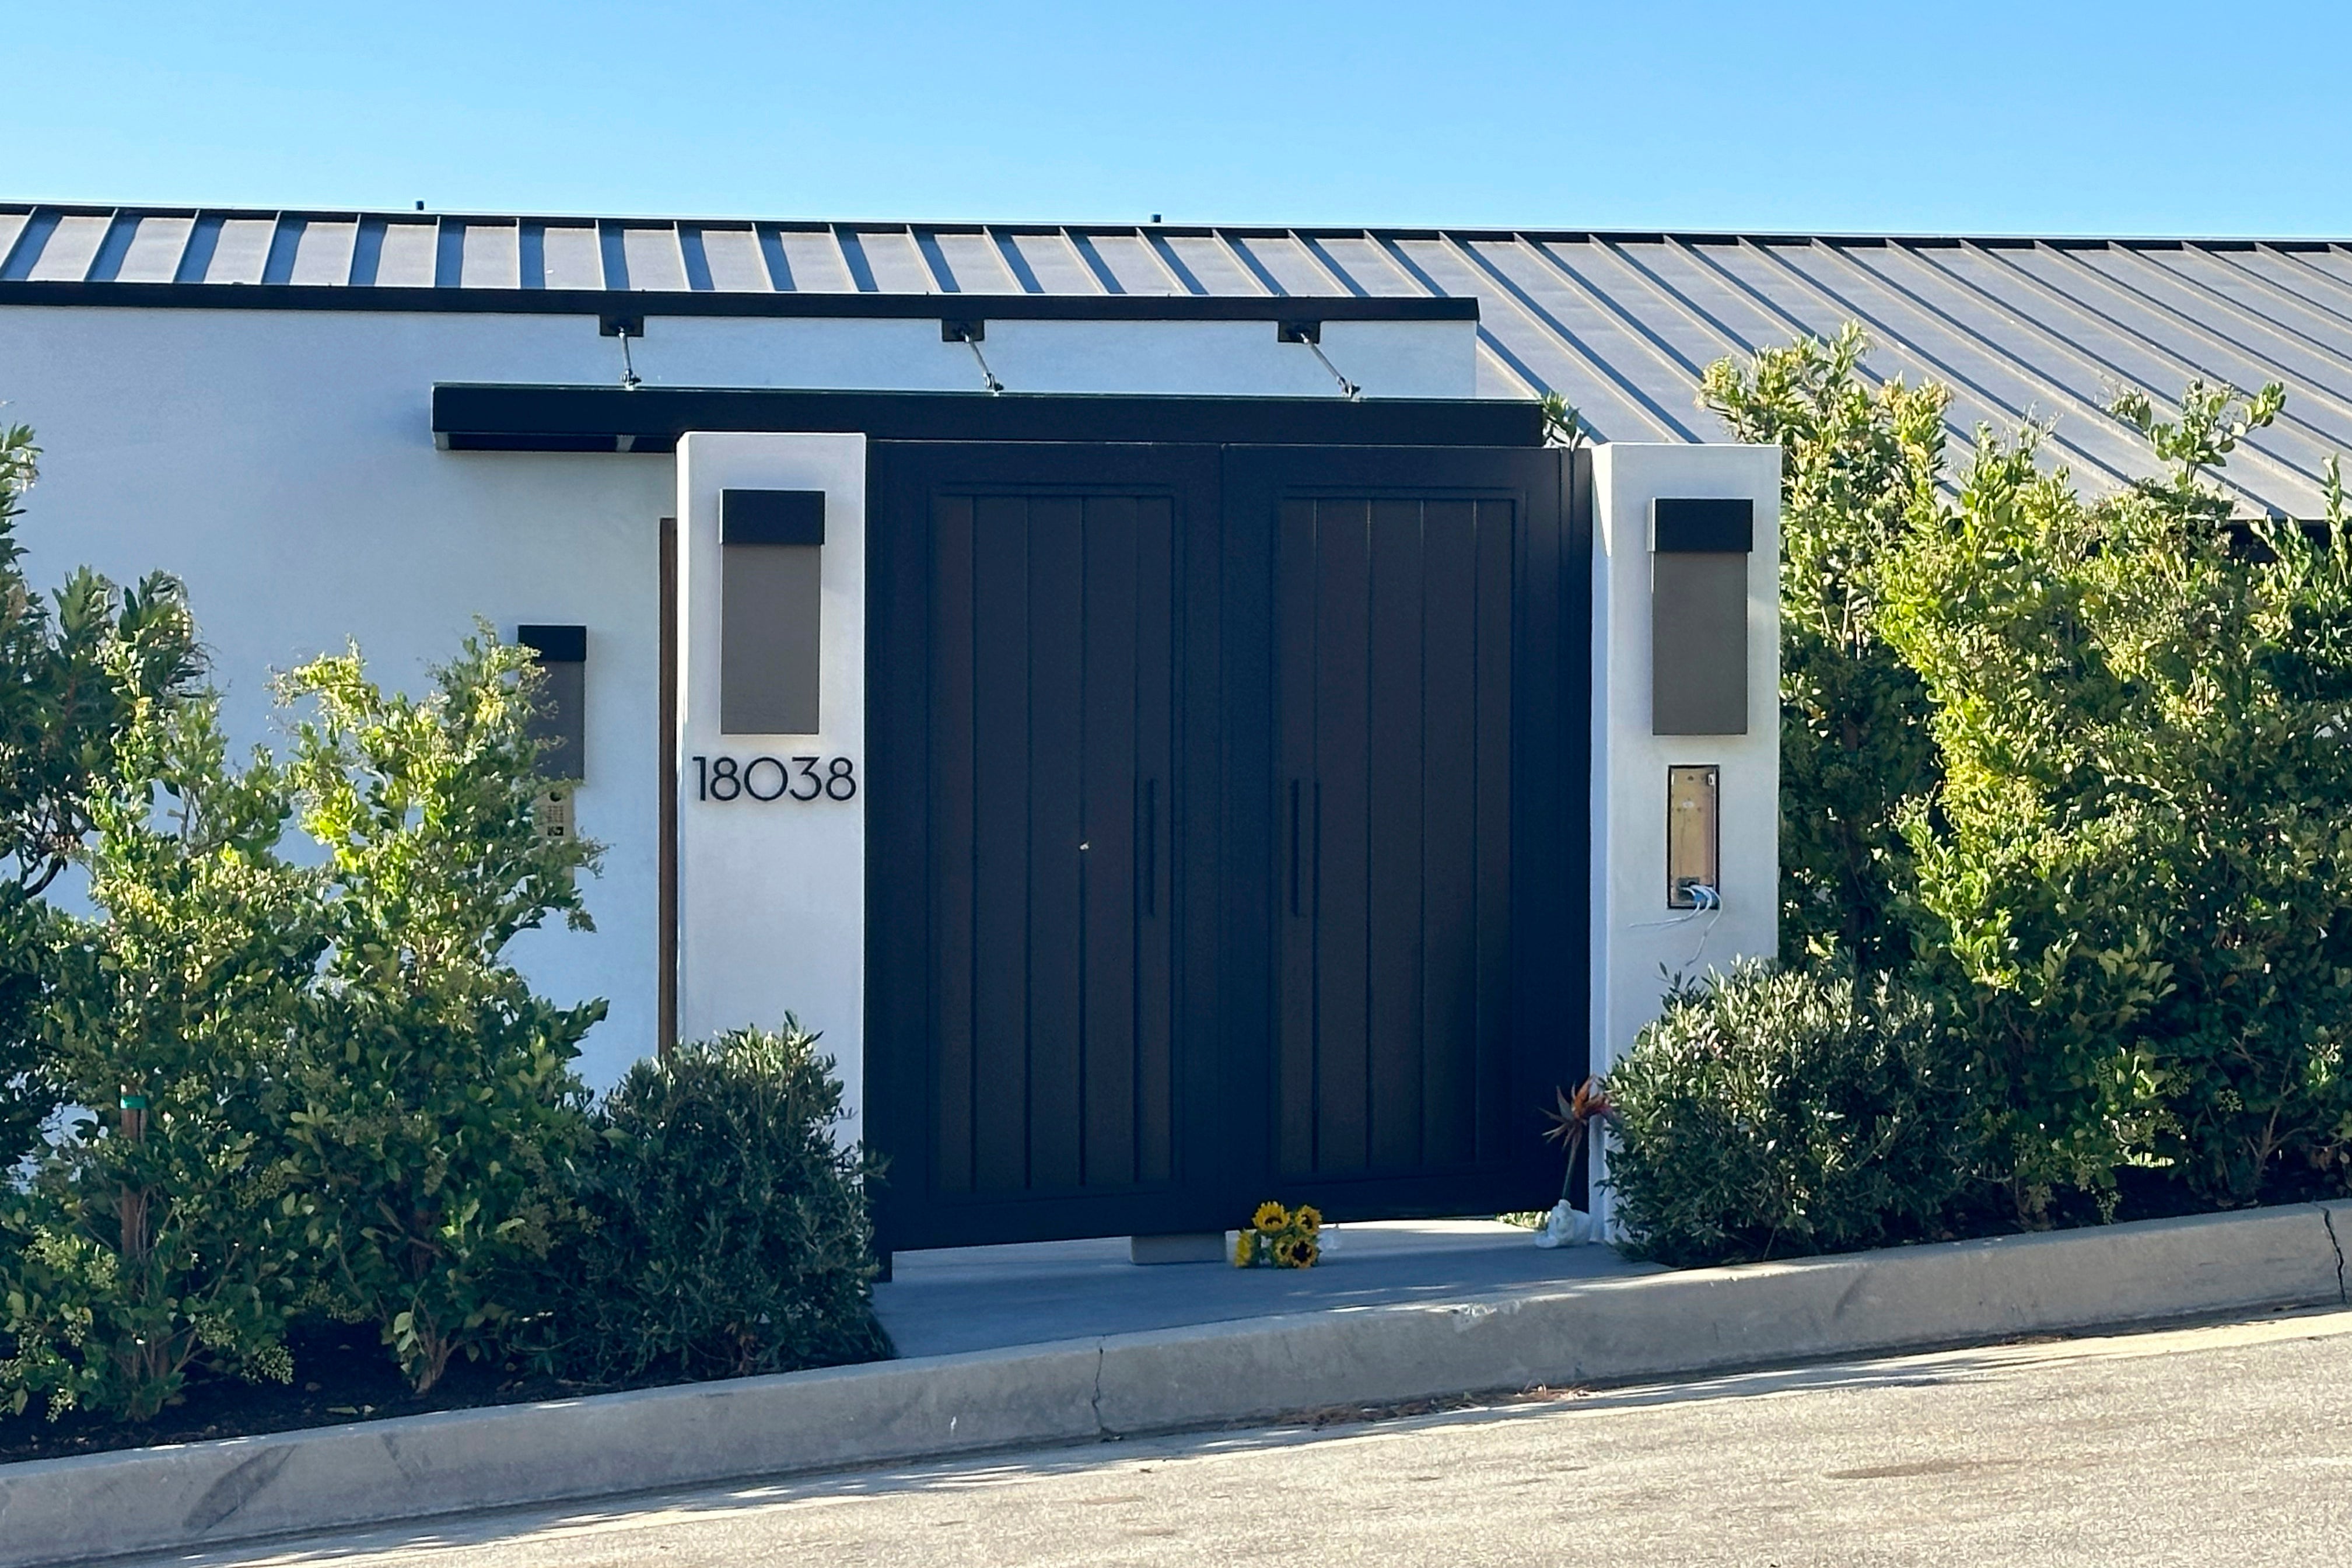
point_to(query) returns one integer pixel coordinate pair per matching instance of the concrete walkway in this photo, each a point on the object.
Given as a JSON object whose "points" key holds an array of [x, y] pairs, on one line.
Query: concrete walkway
{"points": [[992, 1297]]}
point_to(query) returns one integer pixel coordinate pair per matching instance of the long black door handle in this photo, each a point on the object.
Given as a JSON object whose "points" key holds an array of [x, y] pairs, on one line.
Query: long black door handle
{"points": [[1152, 847], [1294, 847]]}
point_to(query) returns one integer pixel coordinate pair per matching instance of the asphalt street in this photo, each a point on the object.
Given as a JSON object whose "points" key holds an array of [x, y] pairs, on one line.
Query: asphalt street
{"points": [[2227, 1443]]}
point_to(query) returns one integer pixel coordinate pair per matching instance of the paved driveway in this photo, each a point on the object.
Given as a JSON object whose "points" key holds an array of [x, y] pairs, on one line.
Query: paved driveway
{"points": [[2228, 1444]]}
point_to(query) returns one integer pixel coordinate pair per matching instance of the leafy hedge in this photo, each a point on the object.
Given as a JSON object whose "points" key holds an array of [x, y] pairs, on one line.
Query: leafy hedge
{"points": [[1858, 463], [299, 1076], [730, 1232], [1772, 1114], [2117, 885]]}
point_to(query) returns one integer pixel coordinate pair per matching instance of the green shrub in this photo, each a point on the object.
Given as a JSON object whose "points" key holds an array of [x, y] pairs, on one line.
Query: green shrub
{"points": [[730, 1234], [1775, 1113], [1856, 465], [430, 1103], [160, 1230], [2139, 868], [2124, 861], [77, 673]]}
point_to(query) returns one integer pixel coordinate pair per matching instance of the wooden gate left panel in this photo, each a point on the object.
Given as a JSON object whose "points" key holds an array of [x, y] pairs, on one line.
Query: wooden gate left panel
{"points": [[1052, 746]]}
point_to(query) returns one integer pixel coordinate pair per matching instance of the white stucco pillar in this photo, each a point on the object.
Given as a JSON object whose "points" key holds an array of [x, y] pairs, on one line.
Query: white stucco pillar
{"points": [[771, 842], [1635, 934]]}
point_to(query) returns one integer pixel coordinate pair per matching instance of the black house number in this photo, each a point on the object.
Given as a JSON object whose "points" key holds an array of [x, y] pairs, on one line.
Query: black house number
{"points": [[774, 778]]}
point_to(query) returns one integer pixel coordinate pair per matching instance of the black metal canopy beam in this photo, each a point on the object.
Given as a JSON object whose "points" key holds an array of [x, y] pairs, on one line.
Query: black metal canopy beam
{"points": [[477, 417]]}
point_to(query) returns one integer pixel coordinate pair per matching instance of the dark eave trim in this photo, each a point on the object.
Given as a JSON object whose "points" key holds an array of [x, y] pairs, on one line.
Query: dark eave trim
{"points": [[683, 303], [475, 418]]}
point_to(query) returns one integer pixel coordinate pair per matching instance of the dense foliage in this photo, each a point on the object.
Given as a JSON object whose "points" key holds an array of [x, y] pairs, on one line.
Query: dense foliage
{"points": [[314, 1083], [157, 1228], [1774, 1113], [1856, 464], [307, 1083], [730, 1231], [2117, 876], [434, 1112], [77, 672], [287, 1068], [2138, 877]]}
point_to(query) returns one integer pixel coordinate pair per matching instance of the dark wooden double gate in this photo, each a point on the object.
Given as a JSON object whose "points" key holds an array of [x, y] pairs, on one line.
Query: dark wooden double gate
{"points": [[1227, 832]]}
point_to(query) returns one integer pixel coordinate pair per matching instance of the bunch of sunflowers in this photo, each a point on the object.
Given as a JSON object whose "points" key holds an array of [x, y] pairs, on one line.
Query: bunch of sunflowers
{"points": [[1279, 1237]]}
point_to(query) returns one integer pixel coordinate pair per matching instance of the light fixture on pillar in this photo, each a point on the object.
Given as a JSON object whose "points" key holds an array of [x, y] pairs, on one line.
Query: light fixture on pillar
{"points": [[1699, 551], [559, 721]]}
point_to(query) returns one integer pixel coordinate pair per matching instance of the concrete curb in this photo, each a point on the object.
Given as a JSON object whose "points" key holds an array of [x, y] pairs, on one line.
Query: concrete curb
{"points": [[207, 1494]]}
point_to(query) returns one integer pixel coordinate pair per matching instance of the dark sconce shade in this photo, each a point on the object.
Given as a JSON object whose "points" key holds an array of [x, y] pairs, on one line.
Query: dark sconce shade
{"points": [[771, 596], [1698, 616], [560, 719], [771, 516], [1702, 527]]}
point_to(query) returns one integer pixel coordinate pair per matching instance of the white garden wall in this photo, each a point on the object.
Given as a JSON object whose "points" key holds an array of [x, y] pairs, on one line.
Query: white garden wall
{"points": [[281, 461]]}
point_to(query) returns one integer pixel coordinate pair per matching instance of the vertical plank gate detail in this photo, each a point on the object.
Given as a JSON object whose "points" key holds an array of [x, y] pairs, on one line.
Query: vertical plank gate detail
{"points": [[1395, 752], [1052, 634], [1228, 832]]}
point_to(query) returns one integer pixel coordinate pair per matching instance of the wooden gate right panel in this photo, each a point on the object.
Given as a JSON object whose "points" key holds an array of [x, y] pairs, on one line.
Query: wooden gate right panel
{"points": [[1393, 657]]}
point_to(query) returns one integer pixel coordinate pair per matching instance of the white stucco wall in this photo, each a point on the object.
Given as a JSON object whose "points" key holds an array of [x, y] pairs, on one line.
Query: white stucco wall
{"points": [[282, 463], [1635, 935]]}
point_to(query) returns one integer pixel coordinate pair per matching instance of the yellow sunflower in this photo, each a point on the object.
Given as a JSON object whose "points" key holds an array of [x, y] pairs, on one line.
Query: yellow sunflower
{"points": [[1245, 1249], [1308, 1218], [1296, 1252], [1270, 1218]]}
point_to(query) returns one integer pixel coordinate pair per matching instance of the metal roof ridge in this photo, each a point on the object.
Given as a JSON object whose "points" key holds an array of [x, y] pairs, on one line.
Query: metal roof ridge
{"points": [[1564, 234]]}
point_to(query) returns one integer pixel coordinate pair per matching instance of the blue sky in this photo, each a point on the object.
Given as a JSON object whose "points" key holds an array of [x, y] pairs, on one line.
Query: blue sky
{"points": [[1991, 117]]}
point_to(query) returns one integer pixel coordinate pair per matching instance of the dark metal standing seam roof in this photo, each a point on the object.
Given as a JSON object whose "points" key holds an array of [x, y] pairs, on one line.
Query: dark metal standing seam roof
{"points": [[1621, 324]]}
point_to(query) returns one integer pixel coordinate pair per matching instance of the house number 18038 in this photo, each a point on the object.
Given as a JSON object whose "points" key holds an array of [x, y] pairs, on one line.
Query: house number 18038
{"points": [[774, 778]]}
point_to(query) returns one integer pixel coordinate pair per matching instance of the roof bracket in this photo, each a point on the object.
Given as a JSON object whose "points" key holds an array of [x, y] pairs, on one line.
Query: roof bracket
{"points": [[969, 333], [1311, 334]]}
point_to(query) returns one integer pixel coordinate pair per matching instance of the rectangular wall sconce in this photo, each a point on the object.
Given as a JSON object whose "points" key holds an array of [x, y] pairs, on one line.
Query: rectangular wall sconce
{"points": [[1694, 837], [561, 719], [771, 549], [1698, 616]]}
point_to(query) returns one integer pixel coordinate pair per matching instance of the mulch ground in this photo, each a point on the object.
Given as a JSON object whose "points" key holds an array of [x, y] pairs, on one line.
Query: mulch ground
{"points": [[340, 1373]]}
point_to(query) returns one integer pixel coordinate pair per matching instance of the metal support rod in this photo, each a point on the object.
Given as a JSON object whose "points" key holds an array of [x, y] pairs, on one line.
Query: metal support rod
{"points": [[1347, 388], [987, 376], [1311, 334]]}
